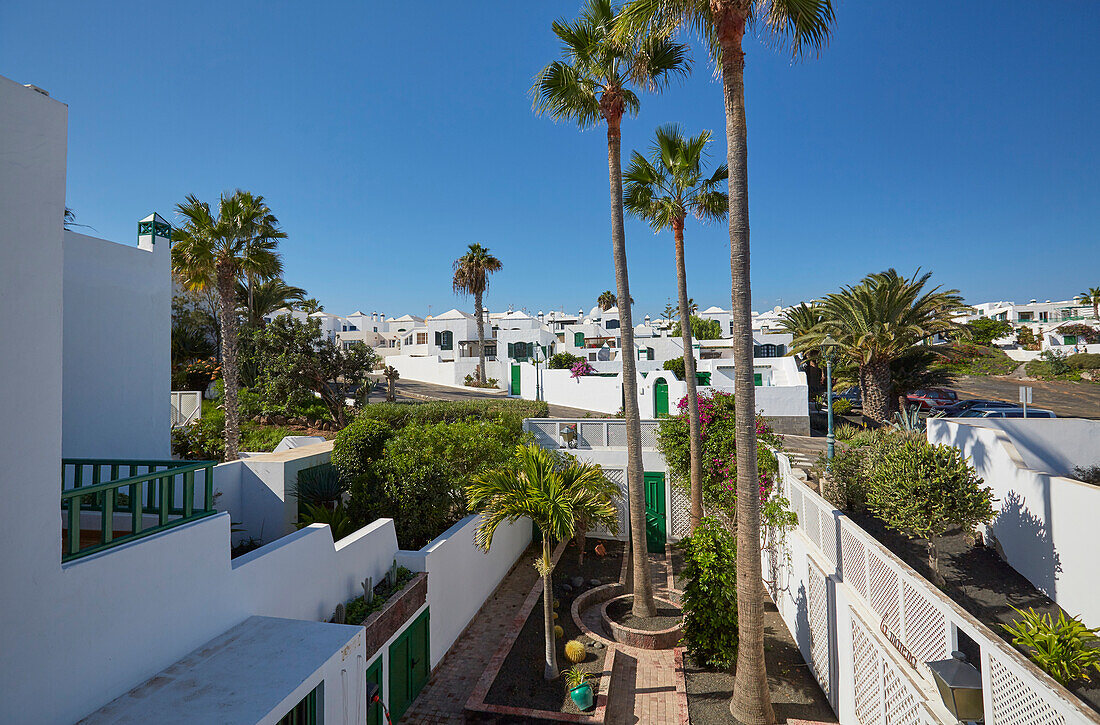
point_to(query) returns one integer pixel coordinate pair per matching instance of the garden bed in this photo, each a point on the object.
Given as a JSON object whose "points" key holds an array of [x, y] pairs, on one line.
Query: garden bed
{"points": [[979, 581], [519, 682], [795, 693]]}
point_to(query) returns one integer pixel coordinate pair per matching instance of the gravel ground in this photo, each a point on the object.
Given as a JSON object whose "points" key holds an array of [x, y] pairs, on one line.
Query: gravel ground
{"points": [[520, 682], [667, 617], [795, 693], [981, 582]]}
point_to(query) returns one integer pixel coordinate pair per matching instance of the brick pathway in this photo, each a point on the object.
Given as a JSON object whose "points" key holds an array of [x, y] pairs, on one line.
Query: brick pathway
{"points": [[443, 698], [645, 685]]}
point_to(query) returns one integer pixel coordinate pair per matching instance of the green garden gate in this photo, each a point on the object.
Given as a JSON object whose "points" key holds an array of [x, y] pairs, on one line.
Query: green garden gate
{"points": [[409, 666], [655, 512]]}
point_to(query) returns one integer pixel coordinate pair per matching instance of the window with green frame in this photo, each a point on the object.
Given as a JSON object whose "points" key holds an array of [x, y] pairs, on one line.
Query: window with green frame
{"points": [[1069, 340], [306, 712]]}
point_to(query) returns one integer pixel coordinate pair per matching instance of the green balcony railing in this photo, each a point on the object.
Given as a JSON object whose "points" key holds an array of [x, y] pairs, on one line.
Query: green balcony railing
{"points": [[129, 491]]}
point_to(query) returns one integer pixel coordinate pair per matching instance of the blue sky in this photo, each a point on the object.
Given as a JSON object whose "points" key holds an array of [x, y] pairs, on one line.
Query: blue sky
{"points": [[957, 137]]}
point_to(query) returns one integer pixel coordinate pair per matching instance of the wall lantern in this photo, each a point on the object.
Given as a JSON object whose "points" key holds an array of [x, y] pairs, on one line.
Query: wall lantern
{"points": [[960, 686]]}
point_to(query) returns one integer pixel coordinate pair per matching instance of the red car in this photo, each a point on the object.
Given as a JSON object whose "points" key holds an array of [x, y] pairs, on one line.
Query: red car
{"points": [[932, 398]]}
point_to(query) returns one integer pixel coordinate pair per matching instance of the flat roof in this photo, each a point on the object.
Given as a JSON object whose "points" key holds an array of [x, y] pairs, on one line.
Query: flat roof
{"points": [[239, 676]]}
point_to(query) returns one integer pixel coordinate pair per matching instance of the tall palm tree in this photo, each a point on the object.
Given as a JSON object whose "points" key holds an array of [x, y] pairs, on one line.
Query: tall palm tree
{"points": [[219, 251], [880, 320], [1092, 297], [260, 227], [663, 190], [266, 297], [606, 300], [471, 277], [555, 494], [801, 25], [589, 86]]}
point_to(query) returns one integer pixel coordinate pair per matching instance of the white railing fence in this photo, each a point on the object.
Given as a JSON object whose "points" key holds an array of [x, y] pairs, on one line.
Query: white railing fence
{"points": [[186, 407], [866, 623], [594, 433]]}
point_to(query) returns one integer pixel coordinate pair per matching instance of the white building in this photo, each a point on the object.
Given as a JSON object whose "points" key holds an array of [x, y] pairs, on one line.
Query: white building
{"points": [[122, 603]]}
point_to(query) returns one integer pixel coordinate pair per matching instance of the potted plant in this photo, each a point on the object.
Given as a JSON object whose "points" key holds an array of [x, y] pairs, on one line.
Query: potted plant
{"points": [[579, 689]]}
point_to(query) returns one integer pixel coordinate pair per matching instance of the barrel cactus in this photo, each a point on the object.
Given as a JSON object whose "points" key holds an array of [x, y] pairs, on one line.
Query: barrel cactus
{"points": [[575, 651]]}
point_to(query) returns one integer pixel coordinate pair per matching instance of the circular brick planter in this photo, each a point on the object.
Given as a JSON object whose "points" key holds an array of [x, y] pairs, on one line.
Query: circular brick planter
{"points": [[642, 638]]}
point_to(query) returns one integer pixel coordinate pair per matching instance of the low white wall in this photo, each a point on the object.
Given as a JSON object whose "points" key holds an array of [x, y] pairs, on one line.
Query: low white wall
{"points": [[1044, 525], [461, 576], [325, 574], [256, 490], [432, 369], [588, 392], [1022, 355]]}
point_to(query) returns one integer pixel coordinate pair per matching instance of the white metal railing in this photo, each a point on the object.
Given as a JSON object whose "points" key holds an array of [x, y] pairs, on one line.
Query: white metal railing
{"points": [[590, 432], [853, 605], [186, 407]]}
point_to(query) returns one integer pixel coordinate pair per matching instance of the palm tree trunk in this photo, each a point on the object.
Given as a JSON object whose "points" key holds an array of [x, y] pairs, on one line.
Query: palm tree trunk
{"points": [[480, 337], [751, 702], [551, 670], [227, 313], [694, 433], [874, 379], [579, 539], [643, 584]]}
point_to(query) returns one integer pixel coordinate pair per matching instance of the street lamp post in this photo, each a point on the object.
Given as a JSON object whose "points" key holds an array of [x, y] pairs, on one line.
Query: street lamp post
{"points": [[537, 357], [827, 346]]}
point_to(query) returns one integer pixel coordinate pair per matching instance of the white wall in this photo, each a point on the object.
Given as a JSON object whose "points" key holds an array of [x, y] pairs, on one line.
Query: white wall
{"points": [[1045, 522], [32, 204], [461, 577], [431, 369], [117, 349], [325, 574]]}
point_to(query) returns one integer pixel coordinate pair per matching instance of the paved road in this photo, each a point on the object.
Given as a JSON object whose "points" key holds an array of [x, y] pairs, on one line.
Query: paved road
{"points": [[1066, 399], [414, 390]]}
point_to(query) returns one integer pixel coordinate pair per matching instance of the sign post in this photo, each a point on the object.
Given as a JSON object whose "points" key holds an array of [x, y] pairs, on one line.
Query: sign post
{"points": [[1025, 396]]}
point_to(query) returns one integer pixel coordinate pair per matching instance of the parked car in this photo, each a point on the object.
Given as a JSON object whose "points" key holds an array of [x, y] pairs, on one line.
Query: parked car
{"points": [[953, 411], [932, 398], [852, 395], [1007, 413]]}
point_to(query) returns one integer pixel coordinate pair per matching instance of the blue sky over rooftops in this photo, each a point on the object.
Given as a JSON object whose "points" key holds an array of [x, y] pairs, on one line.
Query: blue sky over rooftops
{"points": [[959, 137]]}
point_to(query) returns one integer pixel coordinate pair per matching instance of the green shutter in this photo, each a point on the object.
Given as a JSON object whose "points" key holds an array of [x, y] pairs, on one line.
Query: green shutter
{"points": [[578, 339], [758, 379], [512, 350]]}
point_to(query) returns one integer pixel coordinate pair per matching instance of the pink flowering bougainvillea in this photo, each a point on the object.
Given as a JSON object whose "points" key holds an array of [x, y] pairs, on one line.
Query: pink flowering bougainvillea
{"points": [[581, 369]]}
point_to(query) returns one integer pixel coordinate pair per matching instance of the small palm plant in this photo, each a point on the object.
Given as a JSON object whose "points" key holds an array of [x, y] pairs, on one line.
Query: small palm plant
{"points": [[555, 493], [1065, 649]]}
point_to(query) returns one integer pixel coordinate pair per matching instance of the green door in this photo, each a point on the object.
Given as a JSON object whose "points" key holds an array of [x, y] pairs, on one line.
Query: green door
{"points": [[655, 512], [374, 675], [515, 379], [660, 398], [409, 666], [578, 339]]}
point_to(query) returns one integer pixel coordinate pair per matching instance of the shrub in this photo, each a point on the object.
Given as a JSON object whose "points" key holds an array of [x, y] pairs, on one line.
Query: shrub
{"points": [[562, 361], [415, 491], [848, 491], [842, 406], [701, 329], [984, 331], [465, 447], [1088, 474], [506, 412], [845, 432], [716, 416], [336, 518], [970, 359], [676, 365], [357, 445], [318, 486], [581, 368], [1052, 364], [1066, 649], [1084, 361], [922, 490], [710, 595]]}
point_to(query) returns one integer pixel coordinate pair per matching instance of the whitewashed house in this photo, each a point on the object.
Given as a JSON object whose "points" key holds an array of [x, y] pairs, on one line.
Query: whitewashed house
{"points": [[118, 559]]}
